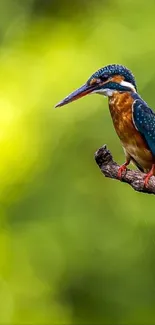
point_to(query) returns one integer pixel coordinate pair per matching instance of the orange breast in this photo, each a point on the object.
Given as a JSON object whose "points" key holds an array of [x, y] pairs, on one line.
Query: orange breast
{"points": [[120, 105]]}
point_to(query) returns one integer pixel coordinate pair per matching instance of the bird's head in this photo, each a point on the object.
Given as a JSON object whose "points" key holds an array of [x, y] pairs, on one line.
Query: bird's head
{"points": [[105, 81]]}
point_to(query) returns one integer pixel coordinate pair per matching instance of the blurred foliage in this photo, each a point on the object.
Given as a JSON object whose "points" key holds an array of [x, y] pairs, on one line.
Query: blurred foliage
{"points": [[76, 248]]}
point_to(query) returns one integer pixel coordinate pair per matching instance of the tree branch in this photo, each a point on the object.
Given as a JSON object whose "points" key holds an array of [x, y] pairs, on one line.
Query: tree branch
{"points": [[110, 168]]}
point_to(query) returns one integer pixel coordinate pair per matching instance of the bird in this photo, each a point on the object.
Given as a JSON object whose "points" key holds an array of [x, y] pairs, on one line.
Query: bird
{"points": [[133, 119]]}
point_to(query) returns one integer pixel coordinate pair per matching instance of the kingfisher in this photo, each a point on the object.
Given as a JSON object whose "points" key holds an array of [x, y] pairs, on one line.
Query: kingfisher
{"points": [[133, 119]]}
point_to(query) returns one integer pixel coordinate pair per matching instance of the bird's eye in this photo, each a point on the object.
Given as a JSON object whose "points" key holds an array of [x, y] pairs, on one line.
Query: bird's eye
{"points": [[104, 77]]}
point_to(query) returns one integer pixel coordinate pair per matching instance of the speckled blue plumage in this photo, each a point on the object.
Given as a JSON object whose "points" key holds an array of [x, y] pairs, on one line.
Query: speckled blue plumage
{"points": [[144, 120], [115, 69]]}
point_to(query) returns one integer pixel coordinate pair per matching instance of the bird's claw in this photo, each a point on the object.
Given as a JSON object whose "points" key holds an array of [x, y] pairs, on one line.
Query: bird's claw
{"points": [[147, 178], [149, 175], [121, 170]]}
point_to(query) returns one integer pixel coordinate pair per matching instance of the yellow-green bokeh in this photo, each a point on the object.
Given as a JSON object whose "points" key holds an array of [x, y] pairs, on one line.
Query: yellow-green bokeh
{"points": [[76, 248]]}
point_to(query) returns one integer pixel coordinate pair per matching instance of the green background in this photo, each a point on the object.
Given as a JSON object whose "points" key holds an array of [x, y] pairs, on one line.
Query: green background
{"points": [[75, 247]]}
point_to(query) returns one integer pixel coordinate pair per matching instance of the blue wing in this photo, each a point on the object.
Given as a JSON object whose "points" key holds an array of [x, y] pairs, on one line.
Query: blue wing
{"points": [[144, 120]]}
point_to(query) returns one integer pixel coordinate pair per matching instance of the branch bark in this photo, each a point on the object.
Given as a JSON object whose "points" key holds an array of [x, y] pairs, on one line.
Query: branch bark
{"points": [[110, 168]]}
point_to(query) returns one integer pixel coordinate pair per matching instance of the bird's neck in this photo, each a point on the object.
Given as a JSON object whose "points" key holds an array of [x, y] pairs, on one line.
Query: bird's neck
{"points": [[120, 102], [120, 105]]}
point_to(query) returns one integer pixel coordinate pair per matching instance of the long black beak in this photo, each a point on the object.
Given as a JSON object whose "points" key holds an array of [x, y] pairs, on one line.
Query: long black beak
{"points": [[78, 93]]}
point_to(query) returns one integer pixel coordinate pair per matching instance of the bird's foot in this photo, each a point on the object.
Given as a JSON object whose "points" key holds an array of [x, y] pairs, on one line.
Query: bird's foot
{"points": [[121, 169], [149, 175]]}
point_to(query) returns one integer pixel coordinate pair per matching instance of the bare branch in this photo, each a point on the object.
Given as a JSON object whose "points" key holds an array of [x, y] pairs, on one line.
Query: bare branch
{"points": [[110, 168]]}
